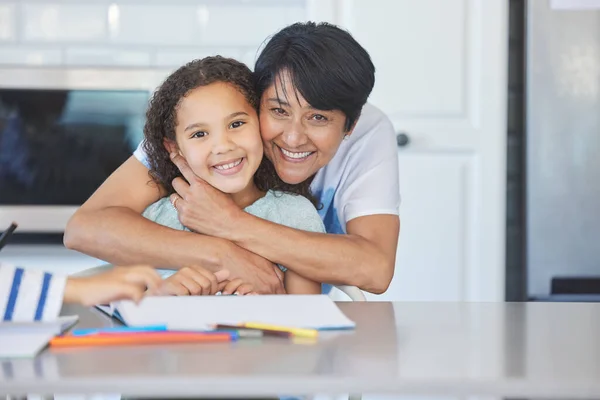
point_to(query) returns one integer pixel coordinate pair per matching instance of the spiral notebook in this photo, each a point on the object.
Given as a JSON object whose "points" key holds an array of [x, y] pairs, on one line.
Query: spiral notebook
{"points": [[203, 312]]}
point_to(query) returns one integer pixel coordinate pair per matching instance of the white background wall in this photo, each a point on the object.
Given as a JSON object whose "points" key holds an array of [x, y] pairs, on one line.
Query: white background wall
{"points": [[137, 33]]}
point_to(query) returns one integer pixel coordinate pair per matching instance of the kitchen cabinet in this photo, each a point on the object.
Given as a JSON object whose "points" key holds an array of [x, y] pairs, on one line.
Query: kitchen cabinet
{"points": [[441, 78]]}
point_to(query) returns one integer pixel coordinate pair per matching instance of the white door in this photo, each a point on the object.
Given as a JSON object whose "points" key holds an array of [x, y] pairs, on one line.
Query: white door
{"points": [[441, 77]]}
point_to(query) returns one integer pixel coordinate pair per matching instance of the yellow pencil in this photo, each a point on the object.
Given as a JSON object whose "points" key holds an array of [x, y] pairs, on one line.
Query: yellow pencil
{"points": [[299, 332]]}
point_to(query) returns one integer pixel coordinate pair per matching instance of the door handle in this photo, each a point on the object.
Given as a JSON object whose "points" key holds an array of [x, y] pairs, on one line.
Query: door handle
{"points": [[402, 139]]}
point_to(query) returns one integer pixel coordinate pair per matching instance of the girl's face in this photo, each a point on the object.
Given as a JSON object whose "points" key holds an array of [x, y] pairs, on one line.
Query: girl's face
{"points": [[298, 139], [218, 134]]}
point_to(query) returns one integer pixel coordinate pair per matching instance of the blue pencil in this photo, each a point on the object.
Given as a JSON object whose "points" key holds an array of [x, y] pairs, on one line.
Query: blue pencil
{"points": [[120, 329]]}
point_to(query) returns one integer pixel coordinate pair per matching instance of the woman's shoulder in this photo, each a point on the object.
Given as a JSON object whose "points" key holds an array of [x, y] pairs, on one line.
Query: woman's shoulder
{"points": [[288, 209], [372, 121]]}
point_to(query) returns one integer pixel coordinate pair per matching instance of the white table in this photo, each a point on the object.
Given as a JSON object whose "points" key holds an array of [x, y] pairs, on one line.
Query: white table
{"points": [[535, 350]]}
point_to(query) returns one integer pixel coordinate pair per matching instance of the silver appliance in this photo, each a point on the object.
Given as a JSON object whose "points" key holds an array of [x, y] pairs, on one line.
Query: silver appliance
{"points": [[563, 151], [36, 215]]}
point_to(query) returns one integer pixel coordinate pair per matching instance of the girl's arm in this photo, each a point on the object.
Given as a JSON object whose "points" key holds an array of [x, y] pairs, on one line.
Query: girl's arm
{"points": [[296, 284]]}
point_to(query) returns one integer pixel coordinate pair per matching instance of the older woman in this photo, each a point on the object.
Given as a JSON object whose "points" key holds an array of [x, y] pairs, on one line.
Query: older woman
{"points": [[313, 81]]}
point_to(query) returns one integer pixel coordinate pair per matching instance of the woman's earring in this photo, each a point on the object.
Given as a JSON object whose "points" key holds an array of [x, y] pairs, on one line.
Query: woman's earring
{"points": [[346, 137]]}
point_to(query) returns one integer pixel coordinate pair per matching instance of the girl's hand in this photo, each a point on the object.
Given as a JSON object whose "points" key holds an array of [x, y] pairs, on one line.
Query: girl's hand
{"points": [[192, 281], [119, 283], [236, 286]]}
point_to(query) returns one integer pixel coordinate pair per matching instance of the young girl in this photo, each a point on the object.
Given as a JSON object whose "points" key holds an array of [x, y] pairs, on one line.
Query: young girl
{"points": [[206, 111]]}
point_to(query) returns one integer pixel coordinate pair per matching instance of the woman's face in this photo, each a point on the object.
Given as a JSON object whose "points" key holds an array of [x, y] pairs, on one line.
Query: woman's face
{"points": [[297, 138], [217, 133]]}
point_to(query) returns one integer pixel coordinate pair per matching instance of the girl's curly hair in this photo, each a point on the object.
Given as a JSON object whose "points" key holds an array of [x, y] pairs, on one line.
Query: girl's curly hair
{"points": [[161, 120]]}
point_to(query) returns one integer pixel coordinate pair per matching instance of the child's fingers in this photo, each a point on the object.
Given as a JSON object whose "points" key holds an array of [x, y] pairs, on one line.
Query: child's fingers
{"points": [[232, 286], [150, 278], [192, 285], [173, 288], [222, 285], [203, 278], [221, 275], [244, 289], [142, 275], [131, 292], [207, 280]]}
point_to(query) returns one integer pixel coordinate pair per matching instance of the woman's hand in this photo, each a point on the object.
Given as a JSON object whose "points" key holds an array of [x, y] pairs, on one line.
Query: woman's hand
{"points": [[201, 207], [192, 281], [206, 210]]}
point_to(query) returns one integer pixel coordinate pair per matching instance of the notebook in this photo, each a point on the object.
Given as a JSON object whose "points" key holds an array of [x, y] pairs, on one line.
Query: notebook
{"points": [[27, 339], [203, 312]]}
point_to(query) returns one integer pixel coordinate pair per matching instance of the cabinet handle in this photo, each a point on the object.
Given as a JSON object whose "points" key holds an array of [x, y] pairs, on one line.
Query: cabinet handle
{"points": [[402, 139]]}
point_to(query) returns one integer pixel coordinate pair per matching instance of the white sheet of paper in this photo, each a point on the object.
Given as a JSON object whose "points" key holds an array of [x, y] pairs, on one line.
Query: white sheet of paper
{"points": [[26, 339], [15, 344], [202, 312]]}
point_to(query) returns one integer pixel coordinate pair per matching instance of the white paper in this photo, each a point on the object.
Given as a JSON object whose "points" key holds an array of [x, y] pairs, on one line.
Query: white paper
{"points": [[17, 344], [26, 339], [574, 4], [202, 312]]}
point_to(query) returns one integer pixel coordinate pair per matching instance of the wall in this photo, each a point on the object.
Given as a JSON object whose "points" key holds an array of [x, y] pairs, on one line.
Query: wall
{"points": [[137, 33]]}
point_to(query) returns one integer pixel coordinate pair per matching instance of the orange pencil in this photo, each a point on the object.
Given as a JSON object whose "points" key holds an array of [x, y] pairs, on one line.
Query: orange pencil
{"points": [[139, 338]]}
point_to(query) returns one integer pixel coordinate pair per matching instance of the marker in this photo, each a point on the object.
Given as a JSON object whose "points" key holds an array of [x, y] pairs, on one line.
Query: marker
{"points": [[7, 234], [139, 338], [299, 332], [244, 332], [119, 329]]}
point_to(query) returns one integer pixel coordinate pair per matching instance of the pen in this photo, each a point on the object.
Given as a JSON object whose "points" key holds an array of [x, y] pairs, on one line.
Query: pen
{"points": [[6, 235], [139, 338], [299, 332], [119, 329], [244, 332]]}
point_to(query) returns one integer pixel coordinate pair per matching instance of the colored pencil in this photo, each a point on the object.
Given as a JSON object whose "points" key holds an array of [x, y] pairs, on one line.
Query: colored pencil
{"points": [[113, 339]]}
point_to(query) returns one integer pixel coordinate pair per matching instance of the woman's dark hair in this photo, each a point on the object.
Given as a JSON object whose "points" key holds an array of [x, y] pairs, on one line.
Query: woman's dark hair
{"points": [[161, 119], [329, 68]]}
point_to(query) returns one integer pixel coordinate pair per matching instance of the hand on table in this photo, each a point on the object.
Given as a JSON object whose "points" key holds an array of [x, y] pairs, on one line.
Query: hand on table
{"points": [[192, 281], [119, 283]]}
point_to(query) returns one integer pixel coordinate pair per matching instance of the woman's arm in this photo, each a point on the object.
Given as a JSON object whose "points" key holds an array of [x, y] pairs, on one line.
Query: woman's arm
{"points": [[364, 257], [110, 226]]}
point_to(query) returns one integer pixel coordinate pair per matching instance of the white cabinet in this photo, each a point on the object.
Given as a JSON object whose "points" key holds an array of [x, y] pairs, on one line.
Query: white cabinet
{"points": [[433, 250], [441, 78]]}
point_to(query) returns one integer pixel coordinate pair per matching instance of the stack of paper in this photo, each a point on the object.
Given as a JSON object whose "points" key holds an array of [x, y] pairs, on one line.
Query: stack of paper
{"points": [[26, 339], [203, 312]]}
